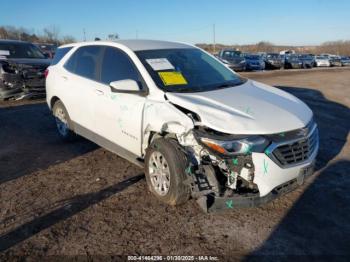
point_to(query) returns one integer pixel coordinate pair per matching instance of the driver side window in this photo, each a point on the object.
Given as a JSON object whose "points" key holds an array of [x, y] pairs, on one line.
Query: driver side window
{"points": [[116, 65]]}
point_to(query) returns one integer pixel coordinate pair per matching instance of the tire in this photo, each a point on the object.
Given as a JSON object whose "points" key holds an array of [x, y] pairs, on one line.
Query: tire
{"points": [[63, 123], [173, 171]]}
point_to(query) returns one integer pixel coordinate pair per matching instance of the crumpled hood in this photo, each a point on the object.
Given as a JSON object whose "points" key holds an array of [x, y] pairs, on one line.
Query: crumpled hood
{"points": [[251, 108]]}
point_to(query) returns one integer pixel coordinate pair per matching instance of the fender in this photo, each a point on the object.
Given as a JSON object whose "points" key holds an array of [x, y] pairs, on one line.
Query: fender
{"points": [[163, 117]]}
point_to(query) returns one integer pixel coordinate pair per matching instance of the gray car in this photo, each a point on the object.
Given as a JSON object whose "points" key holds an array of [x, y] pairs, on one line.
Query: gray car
{"points": [[22, 70], [233, 59]]}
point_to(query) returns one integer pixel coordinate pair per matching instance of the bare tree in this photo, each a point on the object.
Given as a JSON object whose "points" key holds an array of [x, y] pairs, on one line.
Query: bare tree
{"points": [[51, 33], [68, 39]]}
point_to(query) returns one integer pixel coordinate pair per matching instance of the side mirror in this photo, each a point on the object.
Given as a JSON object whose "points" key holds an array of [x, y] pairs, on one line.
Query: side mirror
{"points": [[125, 86]]}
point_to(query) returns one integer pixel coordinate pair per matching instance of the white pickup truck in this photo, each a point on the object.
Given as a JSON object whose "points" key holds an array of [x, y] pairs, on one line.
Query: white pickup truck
{"points": [[199, 129]]}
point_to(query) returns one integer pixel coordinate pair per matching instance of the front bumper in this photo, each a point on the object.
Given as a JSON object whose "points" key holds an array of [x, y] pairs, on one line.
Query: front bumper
{"points": [[238, 67], [254, 67], [274, 65], [273, 175], [336, 64], [21, 92], [211, 203], [322, 64]]}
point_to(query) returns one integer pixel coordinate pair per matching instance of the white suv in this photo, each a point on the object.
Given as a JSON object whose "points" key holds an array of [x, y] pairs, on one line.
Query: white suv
{"points": [[199, 129]]}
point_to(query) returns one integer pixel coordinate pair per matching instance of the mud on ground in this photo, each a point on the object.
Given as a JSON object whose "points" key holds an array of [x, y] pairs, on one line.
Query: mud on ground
{"points": [[79, 199]]}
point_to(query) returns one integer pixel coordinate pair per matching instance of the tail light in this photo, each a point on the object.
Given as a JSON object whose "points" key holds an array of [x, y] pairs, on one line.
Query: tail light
{"points": [[46, 73]]}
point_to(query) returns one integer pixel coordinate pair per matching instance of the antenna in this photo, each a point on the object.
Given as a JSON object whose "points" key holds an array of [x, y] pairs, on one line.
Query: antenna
{"points": [[84, 34], [214, 38]]}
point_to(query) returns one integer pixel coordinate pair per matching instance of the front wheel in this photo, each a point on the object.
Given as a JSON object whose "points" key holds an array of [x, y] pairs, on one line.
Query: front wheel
{"points": [[166, 165], [63, 122]]}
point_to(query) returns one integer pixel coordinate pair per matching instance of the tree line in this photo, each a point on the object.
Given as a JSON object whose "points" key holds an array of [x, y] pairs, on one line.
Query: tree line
{"points": [[50, 35], [340, 47]]}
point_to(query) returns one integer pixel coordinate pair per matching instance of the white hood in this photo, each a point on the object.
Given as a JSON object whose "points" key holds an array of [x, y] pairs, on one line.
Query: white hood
{"points": [[251, 108]]}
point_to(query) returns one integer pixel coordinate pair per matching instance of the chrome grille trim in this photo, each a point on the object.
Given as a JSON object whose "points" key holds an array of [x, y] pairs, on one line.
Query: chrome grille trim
{"points": [[295, 151]]}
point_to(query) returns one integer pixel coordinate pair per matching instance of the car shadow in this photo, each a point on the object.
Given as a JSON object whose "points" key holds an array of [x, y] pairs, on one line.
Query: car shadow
{"points": [[318, 224], [69, 208], [30, 142]]}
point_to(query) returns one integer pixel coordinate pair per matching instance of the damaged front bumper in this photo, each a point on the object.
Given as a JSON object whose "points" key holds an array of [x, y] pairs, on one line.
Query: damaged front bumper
{"points": [[212, 203], [255, 178], [18, 81]]}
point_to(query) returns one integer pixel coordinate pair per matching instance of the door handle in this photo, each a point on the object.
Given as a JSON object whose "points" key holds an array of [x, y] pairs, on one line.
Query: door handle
{"points": [[65, 78], [99, 92]]}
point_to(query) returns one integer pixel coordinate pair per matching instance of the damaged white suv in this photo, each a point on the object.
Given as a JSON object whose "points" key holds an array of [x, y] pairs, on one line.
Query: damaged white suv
{"points": [[199, 129]]}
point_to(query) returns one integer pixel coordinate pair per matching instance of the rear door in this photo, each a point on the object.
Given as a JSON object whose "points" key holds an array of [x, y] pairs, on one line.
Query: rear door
{"points": [[80, 78], [118, 116]]}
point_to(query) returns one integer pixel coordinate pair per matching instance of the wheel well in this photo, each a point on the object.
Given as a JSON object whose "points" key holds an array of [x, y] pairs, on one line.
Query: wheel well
{"points": [[53, 101]]}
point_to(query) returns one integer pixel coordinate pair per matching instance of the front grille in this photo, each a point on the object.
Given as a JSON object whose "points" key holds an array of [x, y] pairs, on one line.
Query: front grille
{"points": [[297, 151]]}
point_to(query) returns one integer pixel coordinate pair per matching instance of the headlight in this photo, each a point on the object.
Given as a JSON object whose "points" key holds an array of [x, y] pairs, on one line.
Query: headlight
{"points": [[236, 147], [242, 62]]}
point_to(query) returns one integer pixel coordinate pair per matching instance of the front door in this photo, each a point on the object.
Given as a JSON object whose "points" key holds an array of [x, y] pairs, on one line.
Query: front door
{"points": [[118, 116]]}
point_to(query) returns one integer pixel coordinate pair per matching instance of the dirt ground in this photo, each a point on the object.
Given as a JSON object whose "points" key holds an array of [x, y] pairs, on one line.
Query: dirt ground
{"points": [[79, 199]]}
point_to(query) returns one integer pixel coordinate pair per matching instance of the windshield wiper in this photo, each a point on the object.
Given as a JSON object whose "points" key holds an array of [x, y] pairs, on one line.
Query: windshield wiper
{"points": [[223, 85]]}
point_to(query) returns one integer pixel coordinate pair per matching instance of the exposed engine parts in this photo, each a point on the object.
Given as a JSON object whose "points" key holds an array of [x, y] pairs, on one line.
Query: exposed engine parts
{"points": [[214, 174], [22, 78]]}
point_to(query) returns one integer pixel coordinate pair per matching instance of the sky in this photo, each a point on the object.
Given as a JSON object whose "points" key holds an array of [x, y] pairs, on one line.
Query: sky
{"points": [[293, 22]]}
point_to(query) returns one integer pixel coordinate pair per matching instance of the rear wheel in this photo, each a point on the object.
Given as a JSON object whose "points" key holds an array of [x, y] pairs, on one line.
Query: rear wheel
{"points": [[165, 165], [63, 122]]}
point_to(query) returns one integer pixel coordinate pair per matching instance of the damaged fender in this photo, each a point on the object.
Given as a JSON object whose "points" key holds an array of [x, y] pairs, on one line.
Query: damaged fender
{"points": [[161, 118]]}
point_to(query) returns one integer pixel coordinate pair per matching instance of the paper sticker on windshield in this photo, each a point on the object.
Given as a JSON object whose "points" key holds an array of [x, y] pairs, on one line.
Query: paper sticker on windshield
{"points": [[172, 78], [4, 52], [159, 64]]}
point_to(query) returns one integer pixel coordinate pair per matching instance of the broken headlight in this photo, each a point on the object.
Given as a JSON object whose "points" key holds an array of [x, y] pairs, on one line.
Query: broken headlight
{"points": [[240, 146]]}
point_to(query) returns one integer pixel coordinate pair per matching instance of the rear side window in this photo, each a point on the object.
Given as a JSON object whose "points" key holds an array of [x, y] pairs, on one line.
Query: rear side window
{"points": [[60, 53], [116, 65], [84, 62]]}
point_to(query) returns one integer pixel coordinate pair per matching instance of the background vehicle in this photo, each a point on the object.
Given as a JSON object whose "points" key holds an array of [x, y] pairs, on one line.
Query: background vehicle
{"points": [[254, 62], [293, 62], [307, 60], [233, 58], [181, 114], [335, 61], [47, 49], [321, 61], [273, 61], [22, 67], [345, 61]]}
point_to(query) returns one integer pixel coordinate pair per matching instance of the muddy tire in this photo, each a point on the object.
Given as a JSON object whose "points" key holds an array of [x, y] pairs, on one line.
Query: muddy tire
{"points": [[165, 169], [63, 122]]}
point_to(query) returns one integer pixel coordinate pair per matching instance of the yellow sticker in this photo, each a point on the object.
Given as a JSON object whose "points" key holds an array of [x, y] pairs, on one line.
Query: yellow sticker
{"points": [[172, 78]]}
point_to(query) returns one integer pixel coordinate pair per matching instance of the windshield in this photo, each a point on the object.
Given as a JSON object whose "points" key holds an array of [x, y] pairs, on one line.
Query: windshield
{"points": [[321, 57], [232, 54], [20, 50], [252, 57], [187, 70], [305, 57], [273, 56]]}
